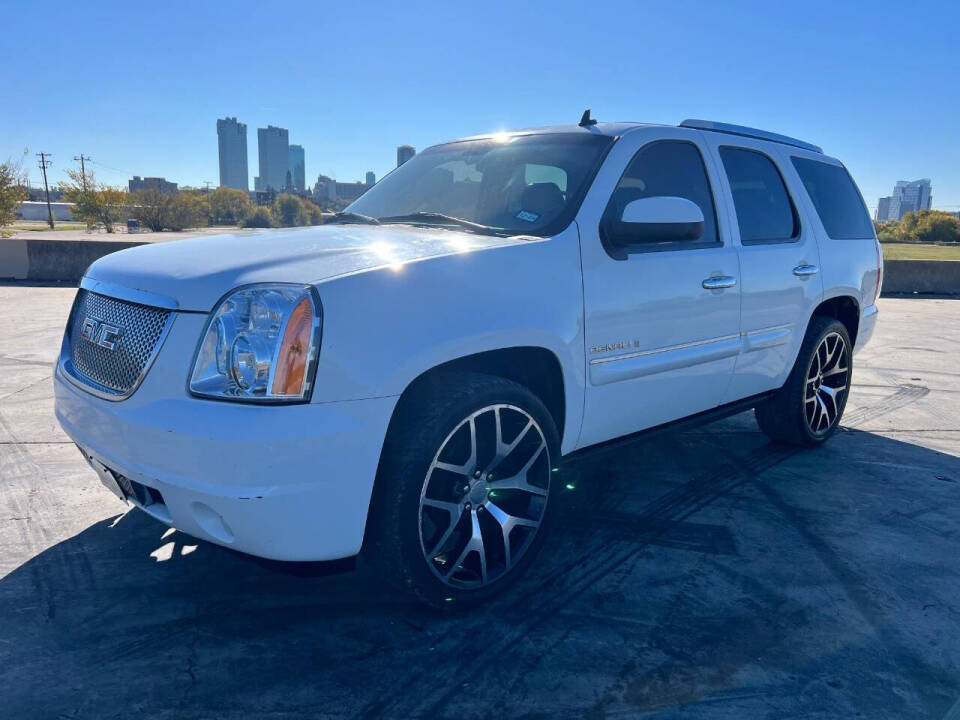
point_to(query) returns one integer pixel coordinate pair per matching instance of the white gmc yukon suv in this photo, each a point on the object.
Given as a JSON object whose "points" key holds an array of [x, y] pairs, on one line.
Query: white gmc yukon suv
{"points": [[406, 378]]}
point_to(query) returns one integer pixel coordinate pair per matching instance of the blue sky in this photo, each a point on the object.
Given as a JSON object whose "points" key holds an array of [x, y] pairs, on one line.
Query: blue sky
{"points": [[139, 87]]}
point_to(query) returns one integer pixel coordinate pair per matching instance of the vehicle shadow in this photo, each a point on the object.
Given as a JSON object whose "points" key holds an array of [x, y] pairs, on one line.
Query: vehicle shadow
{"points": [[702, 574]]}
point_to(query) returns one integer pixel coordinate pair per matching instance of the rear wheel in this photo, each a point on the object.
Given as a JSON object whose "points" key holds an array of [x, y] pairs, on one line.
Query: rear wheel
{"points": [[808, 408], [462, 502]]}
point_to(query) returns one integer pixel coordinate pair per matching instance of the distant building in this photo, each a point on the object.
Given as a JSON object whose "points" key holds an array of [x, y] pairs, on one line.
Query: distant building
{"points": [[232, 142], [325, 189], [883, 210], [908, 196], [329, 189], [263, 197], [152, 183], [350, 191], [371, 178], [404, 153], [297, 167], [273, 145]]}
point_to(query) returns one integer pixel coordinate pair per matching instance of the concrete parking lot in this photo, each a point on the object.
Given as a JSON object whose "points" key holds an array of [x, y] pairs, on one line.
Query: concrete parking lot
{"points": [[700, 574]]}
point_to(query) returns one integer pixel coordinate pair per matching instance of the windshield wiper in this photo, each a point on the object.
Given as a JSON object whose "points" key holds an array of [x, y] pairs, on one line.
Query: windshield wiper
{"points": [[439, 219], [349, 217]]}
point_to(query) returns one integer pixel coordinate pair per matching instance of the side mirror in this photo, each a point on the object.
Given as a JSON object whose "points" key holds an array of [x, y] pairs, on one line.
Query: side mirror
{"points": [[658, 219]]}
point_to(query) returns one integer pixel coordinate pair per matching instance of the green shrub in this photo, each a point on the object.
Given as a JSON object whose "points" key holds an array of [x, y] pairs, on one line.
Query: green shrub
{"points": [[293, 211], [12, 192], [261, 217], [928, 226], [188, 210], [229, 206]]}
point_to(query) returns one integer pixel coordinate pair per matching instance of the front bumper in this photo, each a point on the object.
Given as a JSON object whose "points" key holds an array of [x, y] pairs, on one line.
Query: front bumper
{"points": [[286, 482]]}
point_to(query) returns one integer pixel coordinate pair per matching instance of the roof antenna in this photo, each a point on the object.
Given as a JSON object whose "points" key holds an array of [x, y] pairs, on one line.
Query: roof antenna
{"points": [[586, 120]]}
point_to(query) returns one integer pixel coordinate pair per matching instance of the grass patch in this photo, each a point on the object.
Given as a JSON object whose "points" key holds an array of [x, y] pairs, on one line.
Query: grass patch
{"points": [[910, 251], [42, 226]]}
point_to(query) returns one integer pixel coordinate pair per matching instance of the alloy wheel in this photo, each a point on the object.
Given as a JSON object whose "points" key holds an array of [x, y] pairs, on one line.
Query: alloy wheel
{"points": [[828, 377], [484, 496]]}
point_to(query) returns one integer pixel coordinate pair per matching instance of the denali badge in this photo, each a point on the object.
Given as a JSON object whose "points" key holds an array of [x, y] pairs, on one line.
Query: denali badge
{"points": [[100, 333]]}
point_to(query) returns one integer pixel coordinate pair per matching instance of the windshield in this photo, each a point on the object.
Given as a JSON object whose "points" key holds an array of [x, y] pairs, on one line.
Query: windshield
{"points": [[524, 184]]}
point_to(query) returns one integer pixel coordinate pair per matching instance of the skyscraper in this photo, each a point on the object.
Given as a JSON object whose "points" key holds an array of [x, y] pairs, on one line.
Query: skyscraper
{"points": [[371, 178], [883, 210], [297, 167], [232, 142], [274, 151], [908, 196], [404, 153]]}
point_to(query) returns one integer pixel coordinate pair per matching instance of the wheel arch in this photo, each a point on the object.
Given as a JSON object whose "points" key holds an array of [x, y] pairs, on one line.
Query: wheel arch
{"points": [[536, 368], [844, 308]]}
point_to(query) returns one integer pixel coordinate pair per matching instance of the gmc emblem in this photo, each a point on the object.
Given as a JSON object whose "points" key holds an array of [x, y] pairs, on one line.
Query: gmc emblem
{"points": [[100, 333]]}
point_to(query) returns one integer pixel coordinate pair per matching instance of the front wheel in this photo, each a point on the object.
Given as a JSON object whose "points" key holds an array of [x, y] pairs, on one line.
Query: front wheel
{"points": [[808, 408], [463, 495]]}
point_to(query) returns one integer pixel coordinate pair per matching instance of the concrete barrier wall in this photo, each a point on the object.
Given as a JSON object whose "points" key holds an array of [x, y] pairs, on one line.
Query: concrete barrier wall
{"points": [[935, 277], [49, 260]]}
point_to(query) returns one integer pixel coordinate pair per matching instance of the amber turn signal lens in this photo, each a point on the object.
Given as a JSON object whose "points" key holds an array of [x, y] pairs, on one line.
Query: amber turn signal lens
{"points": [[290, 373]]}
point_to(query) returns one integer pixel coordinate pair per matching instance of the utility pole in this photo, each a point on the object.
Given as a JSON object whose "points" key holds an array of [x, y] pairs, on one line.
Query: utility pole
{"points": [[206, 187], [83, 169], [45, 162]]}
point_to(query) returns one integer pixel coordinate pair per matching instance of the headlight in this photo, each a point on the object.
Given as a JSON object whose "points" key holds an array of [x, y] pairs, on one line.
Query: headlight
{"points": [[260, 344]]}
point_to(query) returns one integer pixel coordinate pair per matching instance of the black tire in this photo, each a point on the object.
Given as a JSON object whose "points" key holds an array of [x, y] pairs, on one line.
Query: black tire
{"points": [[423, 423], [785, 417]]}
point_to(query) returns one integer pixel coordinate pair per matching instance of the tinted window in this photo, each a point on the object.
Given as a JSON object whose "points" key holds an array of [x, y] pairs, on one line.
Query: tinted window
{"points": [[836, 199], [530, 184], [667, 168], [764, 210]]}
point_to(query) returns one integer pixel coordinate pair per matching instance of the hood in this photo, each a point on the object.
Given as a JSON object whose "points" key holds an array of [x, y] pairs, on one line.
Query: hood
{"points": [[196, 272]]}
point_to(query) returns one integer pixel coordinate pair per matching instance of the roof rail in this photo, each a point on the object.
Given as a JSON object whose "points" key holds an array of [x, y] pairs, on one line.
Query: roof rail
{"points": [[749, 132]]}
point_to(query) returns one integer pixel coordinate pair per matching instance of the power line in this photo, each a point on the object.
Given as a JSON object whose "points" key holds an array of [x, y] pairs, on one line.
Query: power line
{"points": [[109, 167], [45, 162], [83, 168]]}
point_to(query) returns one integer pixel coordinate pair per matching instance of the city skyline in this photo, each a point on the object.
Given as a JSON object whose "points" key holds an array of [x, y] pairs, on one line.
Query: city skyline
{"points": [[272, 146], [232, 142], [908, 196], [762, 66]]}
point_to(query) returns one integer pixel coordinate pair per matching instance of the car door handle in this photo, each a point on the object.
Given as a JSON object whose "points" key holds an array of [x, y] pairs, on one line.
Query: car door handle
{"points": [[805, 270], [719, 282]]}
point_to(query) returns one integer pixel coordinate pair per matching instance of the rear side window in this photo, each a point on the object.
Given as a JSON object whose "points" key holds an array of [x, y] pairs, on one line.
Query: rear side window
{"points": [[765, 212], [836, 198]]}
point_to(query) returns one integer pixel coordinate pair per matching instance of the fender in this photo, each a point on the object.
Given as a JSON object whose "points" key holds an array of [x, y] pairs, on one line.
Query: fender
{"points": [[384, 327]]}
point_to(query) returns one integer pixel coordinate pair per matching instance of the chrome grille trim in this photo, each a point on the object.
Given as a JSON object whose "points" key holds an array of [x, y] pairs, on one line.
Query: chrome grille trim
{"points": [[112, 374], [121, 292]]}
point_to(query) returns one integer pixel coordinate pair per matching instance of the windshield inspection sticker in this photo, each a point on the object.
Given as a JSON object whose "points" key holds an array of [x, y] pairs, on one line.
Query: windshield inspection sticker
{"points": [[527, 216]]}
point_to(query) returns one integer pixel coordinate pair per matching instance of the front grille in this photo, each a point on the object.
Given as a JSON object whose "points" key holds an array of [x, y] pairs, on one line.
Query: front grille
{"points": [[132, 330]]}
